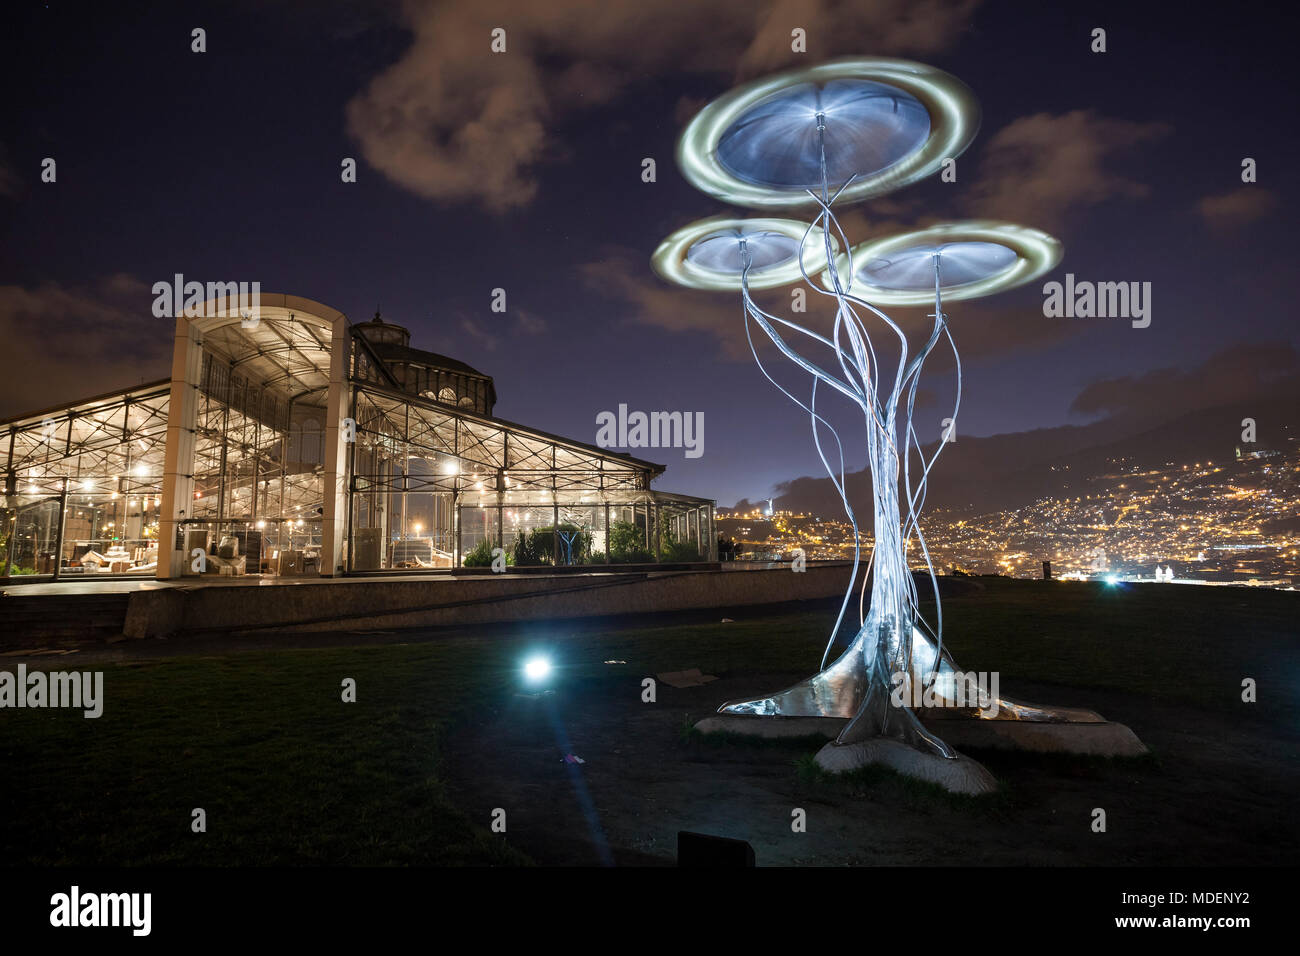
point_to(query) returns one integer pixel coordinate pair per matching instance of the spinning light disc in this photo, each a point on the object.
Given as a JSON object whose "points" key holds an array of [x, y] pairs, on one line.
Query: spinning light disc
{"points": [[887, 123], [976, 259], [707, 254]]}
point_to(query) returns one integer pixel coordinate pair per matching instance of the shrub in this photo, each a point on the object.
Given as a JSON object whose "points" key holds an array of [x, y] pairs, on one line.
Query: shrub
{"points": [[681, 552], [531, 550], [627, 543], [635, 556], [481, 556]]}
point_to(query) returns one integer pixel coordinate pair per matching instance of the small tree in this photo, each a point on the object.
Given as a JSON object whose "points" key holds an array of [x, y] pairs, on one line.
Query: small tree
{"points": [[575, 543], [627, 544]]}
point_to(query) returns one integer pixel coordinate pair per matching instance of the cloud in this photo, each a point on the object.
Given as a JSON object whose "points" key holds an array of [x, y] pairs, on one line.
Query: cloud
{"points": [[100, 337], [1039, 168], [625, 274], [912, 27], [479, 334], [453, 121], [526, 323], [1237, 373], [990, 328], [1236, 208], [686, 108]]}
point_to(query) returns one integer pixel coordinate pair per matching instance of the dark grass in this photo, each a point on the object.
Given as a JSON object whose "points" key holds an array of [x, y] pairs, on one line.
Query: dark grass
{"points": [[288, 774], [1168, 642], [690, 737]]}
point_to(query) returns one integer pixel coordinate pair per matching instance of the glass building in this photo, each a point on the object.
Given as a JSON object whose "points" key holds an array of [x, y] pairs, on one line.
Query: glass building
{"points": [[292, 442]]}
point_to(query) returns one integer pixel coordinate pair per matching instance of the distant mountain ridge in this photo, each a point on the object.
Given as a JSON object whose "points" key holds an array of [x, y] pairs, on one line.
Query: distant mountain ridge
{"points": [[976, 475]]}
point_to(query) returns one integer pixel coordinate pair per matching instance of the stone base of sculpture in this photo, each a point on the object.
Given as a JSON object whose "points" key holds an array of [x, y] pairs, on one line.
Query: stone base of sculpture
{"points": [[957, 774], [1068, 730]]}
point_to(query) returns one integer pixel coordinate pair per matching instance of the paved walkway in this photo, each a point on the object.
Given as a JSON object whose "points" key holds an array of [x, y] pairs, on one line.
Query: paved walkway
{"points": [[126, 585]]}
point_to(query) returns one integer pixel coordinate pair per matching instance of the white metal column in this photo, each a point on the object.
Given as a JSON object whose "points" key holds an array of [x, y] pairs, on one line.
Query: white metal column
{"points": [[178, 467], [335, 520]]}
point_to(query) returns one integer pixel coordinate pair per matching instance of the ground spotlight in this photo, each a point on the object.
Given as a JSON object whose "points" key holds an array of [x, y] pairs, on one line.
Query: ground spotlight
{"points": [[537, 669]]}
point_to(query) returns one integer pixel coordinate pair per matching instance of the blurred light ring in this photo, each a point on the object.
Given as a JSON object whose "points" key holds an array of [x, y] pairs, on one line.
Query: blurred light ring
{"points": [[671, 262], [954, 120], [1036, 253]]}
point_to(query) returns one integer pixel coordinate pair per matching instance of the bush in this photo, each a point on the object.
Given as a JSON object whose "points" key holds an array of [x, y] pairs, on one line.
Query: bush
{"points": [[636, 556], [681, 552], [539, 547], [531, 550], [672, 550], [481, 556], [627, 543]]}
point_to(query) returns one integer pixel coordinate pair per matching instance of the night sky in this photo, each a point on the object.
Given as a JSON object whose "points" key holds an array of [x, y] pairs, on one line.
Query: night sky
{"points": [[523, 171]]}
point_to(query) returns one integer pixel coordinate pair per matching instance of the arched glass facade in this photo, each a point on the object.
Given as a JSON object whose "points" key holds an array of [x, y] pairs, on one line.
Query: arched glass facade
{"points": [[304, 445]]}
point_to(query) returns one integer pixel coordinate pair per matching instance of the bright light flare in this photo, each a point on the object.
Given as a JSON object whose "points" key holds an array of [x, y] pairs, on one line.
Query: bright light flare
{"points": [[537, 668]]}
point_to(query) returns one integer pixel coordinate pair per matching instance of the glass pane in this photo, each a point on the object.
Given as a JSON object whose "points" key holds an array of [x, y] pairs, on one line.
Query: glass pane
{"points": [[478, 535], [109, 533], [530, 534], [31, 527]]}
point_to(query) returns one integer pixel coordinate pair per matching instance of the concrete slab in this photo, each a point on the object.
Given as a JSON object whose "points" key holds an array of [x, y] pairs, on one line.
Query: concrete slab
{"points": [[1103, 739], [956, 775]]}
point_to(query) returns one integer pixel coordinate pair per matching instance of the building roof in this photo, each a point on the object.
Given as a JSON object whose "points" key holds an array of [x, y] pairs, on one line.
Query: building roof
{"points": [[391, 352], [391, 343]]}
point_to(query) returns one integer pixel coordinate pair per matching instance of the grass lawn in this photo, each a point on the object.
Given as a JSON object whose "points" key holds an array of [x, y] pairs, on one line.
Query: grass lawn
{"points": [[289, 774], [286, 771]]}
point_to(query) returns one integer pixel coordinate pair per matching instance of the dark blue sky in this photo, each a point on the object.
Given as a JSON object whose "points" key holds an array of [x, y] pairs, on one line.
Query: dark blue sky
{"points": [[225, 165]]}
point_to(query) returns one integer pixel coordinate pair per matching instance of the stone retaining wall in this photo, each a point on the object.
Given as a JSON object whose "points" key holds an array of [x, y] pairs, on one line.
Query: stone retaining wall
{"points": [[432, 602]]}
